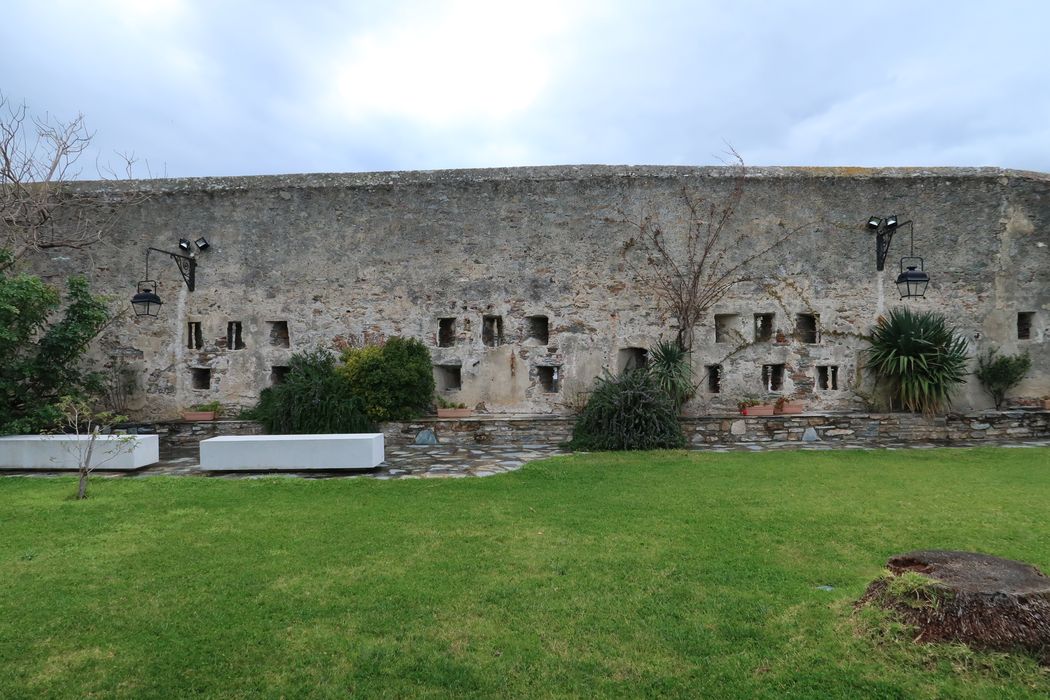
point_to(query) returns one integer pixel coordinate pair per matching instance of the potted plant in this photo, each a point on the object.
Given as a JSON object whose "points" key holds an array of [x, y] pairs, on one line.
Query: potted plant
{"points": [[448, 409], [203, 411], [754, 407], [781, 338], [783, 405]]}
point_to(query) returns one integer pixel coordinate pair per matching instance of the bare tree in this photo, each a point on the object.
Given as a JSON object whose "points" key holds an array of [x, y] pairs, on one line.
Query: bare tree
{"points": [[691, 265], [87, 424], [39, 210]]}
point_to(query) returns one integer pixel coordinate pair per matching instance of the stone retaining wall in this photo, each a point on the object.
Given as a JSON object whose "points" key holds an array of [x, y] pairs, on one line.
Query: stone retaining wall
{"points": [[520, 430], [189, 433], [863, 428], [869, 428]]}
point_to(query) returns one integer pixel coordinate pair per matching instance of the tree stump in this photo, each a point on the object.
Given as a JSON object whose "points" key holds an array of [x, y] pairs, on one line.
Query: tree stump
{"points": [[983, 601]]}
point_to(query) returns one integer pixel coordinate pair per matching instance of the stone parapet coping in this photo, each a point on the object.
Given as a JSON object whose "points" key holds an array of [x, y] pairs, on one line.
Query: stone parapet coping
{"points": [[535, 173]]}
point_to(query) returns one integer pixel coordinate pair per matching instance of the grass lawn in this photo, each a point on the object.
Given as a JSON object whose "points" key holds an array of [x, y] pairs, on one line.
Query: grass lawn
{"points": [[639, 574]]}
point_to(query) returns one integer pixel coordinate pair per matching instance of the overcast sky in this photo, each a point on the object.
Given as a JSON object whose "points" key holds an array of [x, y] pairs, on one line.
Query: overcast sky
{"points": [[225, 87]]}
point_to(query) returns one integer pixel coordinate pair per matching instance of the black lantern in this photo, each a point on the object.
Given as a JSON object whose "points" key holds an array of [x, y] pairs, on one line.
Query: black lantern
{"points": [[146, 302], [911, 282]]}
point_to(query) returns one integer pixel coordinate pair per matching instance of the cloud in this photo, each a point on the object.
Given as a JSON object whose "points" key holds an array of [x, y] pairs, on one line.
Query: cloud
{"points": [[241, 87]]}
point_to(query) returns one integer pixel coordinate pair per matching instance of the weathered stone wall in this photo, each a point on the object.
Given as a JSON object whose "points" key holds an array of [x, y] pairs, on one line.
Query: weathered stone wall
{"points": [[853, 428], [190, 433], [869, 428], [353, 258]]}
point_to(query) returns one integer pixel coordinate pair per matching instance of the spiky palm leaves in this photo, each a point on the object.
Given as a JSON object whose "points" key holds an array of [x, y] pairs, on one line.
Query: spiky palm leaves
{"points": [[671, 369], [920, 357]]}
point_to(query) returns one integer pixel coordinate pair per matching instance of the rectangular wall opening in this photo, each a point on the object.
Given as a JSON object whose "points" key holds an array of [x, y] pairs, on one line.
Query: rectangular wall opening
{"points": [[279, 334], [631, 358], [828, 377], [537, 329], [194, 336], [726, 328], [1025, 321], [446, 332], [807, 328], [714, 379], [448, 377], [548, 377], [201, 377], [773, 377], [492, 330], [233, 336], [764, 327], [278, 374]]}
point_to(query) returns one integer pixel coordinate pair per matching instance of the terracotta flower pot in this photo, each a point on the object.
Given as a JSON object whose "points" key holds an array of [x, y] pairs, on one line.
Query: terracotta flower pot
{"points": [[198, 415], [1046, 404], [455, 412], [760, 410], [792, 408]]}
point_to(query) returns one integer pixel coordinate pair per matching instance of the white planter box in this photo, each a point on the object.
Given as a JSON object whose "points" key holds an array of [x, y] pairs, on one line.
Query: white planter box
{"points": [[111, 452], [293, 452]]}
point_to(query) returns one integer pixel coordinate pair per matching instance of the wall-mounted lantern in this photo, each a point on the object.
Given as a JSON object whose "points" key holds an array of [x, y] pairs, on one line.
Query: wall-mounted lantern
{"points": [[146, 302], [911, 282]]}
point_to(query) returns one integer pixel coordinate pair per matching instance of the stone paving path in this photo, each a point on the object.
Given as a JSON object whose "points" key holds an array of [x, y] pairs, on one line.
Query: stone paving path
{"points": [[457, 461]]}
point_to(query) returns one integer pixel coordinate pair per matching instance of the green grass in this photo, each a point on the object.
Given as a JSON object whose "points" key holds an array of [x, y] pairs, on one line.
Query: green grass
{"points": [[639, 574]]}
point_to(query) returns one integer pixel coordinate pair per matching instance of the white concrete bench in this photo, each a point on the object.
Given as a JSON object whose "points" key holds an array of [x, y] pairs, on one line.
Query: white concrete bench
{"points": [[292, 452], [110, 453]]}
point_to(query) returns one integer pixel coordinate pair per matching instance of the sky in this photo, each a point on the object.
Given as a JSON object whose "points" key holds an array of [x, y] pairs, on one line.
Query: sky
{"points": [[232, 87]]}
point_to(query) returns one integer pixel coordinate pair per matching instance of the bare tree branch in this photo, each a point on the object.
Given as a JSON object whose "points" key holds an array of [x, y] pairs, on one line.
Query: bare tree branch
{"points": [[39, 210], [690, 266]]}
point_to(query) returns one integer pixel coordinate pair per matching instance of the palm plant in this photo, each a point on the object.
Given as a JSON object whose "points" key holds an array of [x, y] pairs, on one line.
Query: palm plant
{"points": [[920, 356], [670, 367]]}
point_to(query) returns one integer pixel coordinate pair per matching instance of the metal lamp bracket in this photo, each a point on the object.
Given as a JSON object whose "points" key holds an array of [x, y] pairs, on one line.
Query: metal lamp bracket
{"points": [[187, 266], [883, 237]]}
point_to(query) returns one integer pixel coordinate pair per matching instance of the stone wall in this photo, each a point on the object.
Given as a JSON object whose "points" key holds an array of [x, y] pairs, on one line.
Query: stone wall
{"points": [[869, 428], [189, 433], [854, 428], [297, 261], [516, 430]]}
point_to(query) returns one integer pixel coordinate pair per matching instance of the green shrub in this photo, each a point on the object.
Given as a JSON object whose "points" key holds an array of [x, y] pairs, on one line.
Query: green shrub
{"points": [[628, 412], [1000, 373], [211, 406], [920, 357], [672, 371], [314, 398], [395, 380], [43, 339]]}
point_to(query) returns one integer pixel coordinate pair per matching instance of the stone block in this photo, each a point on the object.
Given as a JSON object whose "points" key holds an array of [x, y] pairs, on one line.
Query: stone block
{"points": [[110, 453], [292, 452]]}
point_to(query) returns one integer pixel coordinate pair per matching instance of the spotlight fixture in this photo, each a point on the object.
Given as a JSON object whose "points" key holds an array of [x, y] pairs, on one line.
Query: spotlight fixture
{"points": [[202, 243], [146, 302], [913, 281], [184, 244]]}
